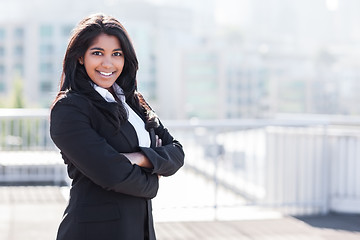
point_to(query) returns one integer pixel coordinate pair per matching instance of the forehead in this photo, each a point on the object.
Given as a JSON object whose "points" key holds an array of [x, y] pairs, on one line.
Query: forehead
{"points": [[106, 41]]}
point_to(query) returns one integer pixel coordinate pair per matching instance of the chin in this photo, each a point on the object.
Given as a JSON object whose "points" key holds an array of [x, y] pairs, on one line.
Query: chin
{"points": [[106, 86]]}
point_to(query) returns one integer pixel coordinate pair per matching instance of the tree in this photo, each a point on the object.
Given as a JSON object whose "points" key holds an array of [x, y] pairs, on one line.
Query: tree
{"points": [[17, 96]]}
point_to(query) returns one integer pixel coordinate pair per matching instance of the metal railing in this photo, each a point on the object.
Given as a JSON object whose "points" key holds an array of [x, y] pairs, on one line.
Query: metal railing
{"points": [[25, 130], [299, 165]]}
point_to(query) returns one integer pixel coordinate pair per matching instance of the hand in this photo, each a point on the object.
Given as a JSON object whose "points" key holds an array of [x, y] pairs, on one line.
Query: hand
{"points": [[139, 159], [158, 141]]}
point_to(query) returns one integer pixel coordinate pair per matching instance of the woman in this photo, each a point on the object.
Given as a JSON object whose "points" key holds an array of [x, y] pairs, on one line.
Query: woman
{"points": [[113, 144]]}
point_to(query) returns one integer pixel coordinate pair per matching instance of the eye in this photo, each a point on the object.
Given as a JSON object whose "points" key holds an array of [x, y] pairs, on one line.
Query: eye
{"points": [[97, 53], [117, 54]]}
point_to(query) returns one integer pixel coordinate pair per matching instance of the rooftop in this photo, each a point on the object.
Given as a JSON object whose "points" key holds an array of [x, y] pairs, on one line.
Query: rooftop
{"points": [[34, 212]]}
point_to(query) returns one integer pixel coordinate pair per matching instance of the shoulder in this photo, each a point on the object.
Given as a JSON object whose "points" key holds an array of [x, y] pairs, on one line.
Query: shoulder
{"points": [[72, 102], [75, 100], [72, 98]]}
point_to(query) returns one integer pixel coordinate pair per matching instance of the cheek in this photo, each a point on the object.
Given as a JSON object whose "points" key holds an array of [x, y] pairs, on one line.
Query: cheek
{"points": [[120, 65], [90, 66], [90, 61]]}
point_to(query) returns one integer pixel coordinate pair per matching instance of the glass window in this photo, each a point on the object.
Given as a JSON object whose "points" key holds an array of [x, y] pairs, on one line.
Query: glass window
{"points": [[46, 31], [45, 86], [66, 30], [19, 68], [19, 50], [2, 69], [2, 86], [2, 51], [2, 33], [46, 49], [19, 33], [46, 67]]}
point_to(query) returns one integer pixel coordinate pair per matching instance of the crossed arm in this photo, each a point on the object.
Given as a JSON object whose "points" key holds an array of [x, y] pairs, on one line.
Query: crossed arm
{"points": [[140, 159], [165, 159], [90, 153]]}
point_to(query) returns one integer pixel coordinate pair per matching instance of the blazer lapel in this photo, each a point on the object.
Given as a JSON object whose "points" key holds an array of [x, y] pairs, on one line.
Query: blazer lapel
{"points": [[151, 132], [129, 133]]}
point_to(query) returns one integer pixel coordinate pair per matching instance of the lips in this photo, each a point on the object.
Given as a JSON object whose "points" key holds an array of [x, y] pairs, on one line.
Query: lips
{"points": [[106, 74]]}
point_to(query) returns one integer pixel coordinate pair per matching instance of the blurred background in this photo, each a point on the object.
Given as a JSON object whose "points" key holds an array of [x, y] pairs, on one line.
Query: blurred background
{"points": [[210, 59], [263, 94]]}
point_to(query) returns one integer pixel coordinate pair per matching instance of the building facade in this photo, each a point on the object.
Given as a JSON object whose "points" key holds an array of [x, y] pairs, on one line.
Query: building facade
{"points": [[279, 58]]}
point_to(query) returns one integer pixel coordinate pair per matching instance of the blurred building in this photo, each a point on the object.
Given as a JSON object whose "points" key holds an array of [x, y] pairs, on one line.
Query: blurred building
{"points": [[293, 57], [280, 56], [33, 43]]}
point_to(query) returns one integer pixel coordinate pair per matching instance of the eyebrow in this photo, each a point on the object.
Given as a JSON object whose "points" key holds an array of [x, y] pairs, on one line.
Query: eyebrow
{"points": [[101, 49]]}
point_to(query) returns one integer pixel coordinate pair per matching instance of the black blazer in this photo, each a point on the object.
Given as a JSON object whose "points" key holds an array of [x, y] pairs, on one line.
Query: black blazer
{"points": [[109, 197]]}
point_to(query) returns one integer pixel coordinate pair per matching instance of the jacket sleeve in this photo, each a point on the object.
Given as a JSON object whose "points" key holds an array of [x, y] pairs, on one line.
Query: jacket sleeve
{"points": [[168, 158], [71, 131]]}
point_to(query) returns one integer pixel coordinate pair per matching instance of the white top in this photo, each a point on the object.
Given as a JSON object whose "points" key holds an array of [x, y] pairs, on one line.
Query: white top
{"points": [[134, 119]]}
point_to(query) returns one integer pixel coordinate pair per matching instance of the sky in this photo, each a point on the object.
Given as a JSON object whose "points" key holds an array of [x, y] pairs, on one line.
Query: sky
{"points": [[228, 12]]}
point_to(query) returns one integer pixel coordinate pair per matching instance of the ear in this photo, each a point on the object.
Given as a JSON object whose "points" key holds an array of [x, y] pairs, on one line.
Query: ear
{"points": [[81, 60]]}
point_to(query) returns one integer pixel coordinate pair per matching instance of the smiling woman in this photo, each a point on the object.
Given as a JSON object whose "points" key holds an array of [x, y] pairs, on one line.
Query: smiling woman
{"points": [[114, 145], [104, 61]]}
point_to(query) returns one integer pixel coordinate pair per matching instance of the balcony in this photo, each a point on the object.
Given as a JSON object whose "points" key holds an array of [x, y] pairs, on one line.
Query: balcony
{"points": [[306, 165], [235, 170]]}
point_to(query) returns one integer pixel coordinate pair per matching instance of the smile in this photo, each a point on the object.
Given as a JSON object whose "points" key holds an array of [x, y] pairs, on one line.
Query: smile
{"points": [[106, 74]]}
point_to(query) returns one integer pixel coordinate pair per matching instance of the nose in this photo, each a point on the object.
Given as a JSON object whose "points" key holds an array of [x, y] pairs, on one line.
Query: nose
{"points": [[106, 63]]}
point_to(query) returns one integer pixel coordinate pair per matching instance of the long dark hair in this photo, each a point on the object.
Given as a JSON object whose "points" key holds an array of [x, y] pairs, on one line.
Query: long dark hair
{"points": [[75, 79]]}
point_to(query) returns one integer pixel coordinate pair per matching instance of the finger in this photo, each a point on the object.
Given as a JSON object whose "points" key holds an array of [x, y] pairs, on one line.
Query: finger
{"points": [[158, 141]]}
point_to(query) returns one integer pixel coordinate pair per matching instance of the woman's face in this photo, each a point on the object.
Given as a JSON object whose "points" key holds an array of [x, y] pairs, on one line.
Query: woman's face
{"points": [[104, 60]]}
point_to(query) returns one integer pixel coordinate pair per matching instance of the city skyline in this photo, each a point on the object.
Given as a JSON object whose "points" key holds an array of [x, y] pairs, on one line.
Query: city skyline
{"points": [[207, 59]]}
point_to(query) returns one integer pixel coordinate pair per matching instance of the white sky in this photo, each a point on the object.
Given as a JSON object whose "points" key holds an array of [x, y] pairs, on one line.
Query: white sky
{"points": [[227, 12], [231, 12]]}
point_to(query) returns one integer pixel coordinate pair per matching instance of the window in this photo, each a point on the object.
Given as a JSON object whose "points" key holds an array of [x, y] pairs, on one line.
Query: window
{"points": [[2, 70], [46, 49], [46, 31], [19, 68], [45, 86], [2, 34], [46, 67], [2, 51], [66, 30], [2, 86], [19, 50], [19, 33]]}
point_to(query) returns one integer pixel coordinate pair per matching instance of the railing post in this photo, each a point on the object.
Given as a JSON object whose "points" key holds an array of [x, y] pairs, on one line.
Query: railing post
{"points": [[326, 163], [219, 154]]}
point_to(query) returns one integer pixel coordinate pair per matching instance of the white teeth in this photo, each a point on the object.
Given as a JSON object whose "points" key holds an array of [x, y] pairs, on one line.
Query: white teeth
{"points": [[106, 74]]}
